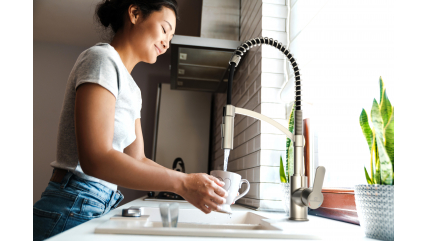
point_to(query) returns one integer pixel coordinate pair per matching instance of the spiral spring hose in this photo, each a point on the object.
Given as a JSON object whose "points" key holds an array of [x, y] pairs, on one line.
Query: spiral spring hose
{"points": [[239, 52]]}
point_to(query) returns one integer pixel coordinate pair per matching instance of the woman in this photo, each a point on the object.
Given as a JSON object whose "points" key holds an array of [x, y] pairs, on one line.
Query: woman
{"points": [[100, 143]]}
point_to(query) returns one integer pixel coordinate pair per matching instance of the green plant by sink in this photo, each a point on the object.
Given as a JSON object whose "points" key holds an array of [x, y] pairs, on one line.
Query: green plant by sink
{"points": [[375, 201], [380, 138], [286, 173]]}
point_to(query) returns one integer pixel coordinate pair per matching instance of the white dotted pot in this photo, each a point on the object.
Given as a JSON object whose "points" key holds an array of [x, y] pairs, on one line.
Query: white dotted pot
{"points": [[285, 189], [375, 209]]}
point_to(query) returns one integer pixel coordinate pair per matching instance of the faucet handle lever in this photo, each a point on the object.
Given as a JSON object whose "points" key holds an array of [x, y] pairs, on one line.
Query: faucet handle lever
{"points": [[319, 179], [314, 198]]}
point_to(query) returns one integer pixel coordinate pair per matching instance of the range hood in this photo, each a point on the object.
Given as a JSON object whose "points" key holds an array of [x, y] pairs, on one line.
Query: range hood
{"points": [[200, 64]]}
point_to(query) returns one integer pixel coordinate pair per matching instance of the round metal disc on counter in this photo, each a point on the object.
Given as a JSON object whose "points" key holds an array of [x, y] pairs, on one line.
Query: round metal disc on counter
{"points": [[131, 212]]}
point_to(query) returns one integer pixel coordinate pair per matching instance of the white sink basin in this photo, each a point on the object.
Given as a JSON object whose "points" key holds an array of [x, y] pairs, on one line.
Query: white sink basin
{"points": [[193, 222]]}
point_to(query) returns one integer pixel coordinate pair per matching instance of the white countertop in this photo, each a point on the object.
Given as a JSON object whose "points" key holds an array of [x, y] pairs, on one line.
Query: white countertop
{"points": [[327, 228]]}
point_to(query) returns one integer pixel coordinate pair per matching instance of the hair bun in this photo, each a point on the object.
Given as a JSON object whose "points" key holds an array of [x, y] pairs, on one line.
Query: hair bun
{"points": [[105, 12]]}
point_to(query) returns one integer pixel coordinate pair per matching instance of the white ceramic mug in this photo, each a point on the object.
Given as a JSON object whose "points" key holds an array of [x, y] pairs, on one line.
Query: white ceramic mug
{"points": [[232, 183]]}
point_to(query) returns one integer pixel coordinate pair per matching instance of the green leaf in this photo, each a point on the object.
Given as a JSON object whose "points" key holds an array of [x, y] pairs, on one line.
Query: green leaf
{"points": [[372, 154], [281, 171], [289, 145], [384, 163], [291, 120], [369, 181], [385, 109], [364, 123], [290, 156], [389, 139], [388, 177], [377, 165], [377, 119], [287, 178], [382, 88]]}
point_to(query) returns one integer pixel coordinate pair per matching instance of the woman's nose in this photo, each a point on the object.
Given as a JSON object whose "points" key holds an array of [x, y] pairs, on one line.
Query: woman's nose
{"points": [[165, 45]]}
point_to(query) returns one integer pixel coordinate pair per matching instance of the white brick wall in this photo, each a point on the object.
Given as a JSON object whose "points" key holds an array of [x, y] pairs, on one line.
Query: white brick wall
{"points": [[258, 78]]}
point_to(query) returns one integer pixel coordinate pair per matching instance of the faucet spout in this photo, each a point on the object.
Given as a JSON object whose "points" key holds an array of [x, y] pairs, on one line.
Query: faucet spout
{"points": [[227, 125], [261, 117]]}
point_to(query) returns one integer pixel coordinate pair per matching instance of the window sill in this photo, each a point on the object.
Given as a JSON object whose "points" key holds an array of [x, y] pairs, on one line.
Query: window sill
{"points": [[338, 204]]}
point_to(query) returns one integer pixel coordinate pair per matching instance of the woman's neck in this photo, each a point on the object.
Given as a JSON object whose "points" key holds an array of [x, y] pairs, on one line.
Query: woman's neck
{"points": [[124, 49]]}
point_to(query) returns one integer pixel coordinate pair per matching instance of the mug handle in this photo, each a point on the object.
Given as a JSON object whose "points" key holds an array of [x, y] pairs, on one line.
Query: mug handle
{"points": [[246, 190]]}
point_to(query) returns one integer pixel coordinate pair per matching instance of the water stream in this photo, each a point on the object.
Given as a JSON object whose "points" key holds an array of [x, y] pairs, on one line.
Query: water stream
{"points": [[226, 158]]}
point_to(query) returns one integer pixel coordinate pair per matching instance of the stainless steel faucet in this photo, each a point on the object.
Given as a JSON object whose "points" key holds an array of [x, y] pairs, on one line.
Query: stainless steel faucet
{"points": [[301, 196]]}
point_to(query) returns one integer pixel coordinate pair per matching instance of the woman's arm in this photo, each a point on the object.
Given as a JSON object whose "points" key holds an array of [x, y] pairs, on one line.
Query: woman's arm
{"points": [[94, 123], [136, 149]]}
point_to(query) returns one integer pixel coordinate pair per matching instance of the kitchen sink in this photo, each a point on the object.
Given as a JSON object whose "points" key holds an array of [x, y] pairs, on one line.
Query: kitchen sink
{"points": [[193, 222]]}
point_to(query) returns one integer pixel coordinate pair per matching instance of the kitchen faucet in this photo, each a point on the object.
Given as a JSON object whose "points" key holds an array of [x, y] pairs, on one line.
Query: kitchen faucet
{"points": [[301, 196]]}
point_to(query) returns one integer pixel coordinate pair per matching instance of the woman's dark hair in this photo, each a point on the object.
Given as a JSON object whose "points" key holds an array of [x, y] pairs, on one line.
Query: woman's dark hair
{"points": [[111, 12]]}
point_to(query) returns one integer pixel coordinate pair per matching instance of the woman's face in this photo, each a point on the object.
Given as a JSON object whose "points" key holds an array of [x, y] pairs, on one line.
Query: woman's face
{"points": [[151, 37]]}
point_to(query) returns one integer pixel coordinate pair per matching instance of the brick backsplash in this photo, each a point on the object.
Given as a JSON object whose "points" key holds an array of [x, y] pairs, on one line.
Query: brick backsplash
{"points": [[258, 78]]}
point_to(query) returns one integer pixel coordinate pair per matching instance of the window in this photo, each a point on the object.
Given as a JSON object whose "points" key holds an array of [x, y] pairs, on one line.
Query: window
{"points": [[342, 48]]}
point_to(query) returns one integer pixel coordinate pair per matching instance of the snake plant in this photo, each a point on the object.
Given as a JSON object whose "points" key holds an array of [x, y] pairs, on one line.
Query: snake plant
{"points": [[380, 138], [289, 160]]}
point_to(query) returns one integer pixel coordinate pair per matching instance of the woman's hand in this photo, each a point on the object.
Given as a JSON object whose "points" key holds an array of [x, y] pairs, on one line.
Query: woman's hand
{"points": [[203, 191]]}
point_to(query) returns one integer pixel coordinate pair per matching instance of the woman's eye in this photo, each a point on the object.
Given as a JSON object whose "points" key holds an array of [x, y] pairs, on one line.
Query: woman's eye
{"points": [[163, 30]]}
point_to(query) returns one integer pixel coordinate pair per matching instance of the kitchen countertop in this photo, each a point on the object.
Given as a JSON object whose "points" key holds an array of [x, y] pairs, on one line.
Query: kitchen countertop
{"points": [[326, 228]]}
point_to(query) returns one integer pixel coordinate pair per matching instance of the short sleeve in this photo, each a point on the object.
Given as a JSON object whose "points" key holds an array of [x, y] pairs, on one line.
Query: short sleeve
{"points": [[97, 66], [139, 111]]}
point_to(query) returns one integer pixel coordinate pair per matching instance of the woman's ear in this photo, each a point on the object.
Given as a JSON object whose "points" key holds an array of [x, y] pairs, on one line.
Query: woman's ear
{"points": [[134, 13]]}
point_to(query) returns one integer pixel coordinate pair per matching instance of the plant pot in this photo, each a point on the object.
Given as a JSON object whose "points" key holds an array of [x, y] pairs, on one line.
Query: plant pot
{"points": [[375, 209], [285, 189]]}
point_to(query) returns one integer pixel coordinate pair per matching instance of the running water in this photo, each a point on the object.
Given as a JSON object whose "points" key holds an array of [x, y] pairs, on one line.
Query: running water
{"points": [[226, 158]]}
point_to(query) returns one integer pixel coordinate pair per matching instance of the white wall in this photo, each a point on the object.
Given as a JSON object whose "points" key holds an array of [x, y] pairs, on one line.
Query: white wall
{"points": [[52, 66]]}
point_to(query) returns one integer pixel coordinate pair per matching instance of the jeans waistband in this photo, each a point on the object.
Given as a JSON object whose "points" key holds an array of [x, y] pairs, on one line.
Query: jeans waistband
{"points": [[112, 198]]}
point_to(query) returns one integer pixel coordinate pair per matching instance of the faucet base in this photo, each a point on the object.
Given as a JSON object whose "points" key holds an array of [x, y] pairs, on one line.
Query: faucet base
{"points": [[298, 211], [298, 219]]}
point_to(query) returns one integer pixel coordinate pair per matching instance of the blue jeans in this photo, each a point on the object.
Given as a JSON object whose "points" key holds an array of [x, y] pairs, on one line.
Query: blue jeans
{"points": [[70, 203]]}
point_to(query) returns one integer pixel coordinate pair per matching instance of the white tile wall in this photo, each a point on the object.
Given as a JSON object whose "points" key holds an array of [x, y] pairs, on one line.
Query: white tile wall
{"points": [[273, 23], [273, 110], [274, 10], [268, 128], [269, 191], [272, 65], [270, 95], [280, 2], [272, 80], [258, 78]]}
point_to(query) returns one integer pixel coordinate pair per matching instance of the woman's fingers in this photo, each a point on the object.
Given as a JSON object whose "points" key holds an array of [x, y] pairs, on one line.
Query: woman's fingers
{"points": [[204, 208], [218, 199], [215, 179], [212, 205], [219, 191]]}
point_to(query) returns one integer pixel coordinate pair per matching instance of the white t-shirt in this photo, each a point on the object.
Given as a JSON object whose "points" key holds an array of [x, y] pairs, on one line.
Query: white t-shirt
{"points": [[100, 64]]}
